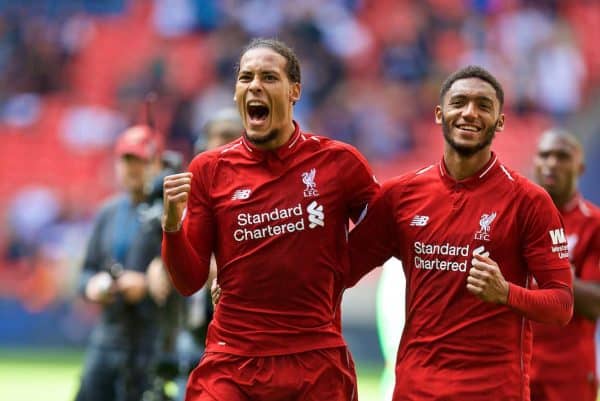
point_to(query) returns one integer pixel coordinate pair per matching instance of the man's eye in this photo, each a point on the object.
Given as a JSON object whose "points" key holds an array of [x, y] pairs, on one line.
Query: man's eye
{"points": [[244, 78]]}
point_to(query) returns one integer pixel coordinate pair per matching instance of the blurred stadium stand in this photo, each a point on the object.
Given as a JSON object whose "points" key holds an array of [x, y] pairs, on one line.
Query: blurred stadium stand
{"points": [[73, 73]]}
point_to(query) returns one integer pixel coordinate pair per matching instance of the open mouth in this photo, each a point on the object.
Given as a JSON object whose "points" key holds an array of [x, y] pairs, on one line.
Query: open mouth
{"points": [[257, 112], [468, 127]]}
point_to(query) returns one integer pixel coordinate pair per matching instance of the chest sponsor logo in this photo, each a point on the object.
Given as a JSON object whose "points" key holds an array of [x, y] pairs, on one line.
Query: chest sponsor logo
{"points": [[308, 179], [419, 221], [278, 221], [485, 223], [316, 217], [241, 194], [481, 251], [559, 242], [445, 257]]}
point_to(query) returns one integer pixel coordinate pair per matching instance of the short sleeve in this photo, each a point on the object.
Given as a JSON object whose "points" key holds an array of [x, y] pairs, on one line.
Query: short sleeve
{"points": [[373, 240], [543, 239], [360, 185]]}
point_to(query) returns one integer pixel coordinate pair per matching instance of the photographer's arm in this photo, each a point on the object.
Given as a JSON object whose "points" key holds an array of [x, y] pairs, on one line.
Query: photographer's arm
{"points": [[95, 284]]}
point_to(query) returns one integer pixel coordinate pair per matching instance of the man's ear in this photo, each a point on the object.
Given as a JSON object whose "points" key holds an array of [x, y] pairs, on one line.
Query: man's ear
{"points": [[582, 167], [295, 92], [438, 114], [500, 125]]}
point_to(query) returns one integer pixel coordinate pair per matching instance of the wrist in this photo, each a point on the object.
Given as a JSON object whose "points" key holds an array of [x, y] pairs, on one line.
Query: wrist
{"points": [[505, 292], [169, 227]]}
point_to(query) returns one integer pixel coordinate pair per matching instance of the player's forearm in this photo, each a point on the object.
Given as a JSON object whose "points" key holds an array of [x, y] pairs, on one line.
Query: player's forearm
{"points": [[551, 303], [187, 270], [587, 298], [554, 306]]}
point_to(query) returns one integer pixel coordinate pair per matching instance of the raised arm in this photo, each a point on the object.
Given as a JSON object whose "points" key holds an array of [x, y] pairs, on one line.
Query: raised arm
{"points": [[187, 232]]}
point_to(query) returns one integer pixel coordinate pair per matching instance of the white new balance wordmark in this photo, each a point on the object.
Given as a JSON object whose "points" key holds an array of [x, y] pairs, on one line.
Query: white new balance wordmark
{"points": [[241, 194], [419, 221], [316, 217]]}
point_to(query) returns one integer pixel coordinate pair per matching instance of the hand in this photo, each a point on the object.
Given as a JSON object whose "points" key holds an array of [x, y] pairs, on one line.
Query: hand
{"points": [[159, 285], [215, 292], [486, 281], [176, 191], [100, 288], [132, 285]]}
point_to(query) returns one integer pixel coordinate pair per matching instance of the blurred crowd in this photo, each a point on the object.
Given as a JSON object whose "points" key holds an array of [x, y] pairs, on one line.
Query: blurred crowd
{"points": [[74, 74]]}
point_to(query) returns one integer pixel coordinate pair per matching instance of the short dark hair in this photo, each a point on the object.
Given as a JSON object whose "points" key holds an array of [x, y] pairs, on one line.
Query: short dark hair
{"points": [[473, 71], [292, 65]]}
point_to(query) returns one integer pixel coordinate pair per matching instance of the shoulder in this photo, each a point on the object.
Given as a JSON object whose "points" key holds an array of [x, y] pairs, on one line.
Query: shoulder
{"points": [[590, 210], [109, 206], [210, 158], [531, 192], [340, 149], [591, 213], [413, 180], [112, 202]]}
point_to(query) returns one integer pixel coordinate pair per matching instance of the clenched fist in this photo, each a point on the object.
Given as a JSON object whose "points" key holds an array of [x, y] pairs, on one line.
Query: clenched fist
{"points": [[176, 191], [486, 281]]}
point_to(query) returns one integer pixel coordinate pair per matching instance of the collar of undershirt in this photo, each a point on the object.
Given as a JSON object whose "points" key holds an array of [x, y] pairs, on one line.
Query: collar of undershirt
{"points": [[574, 202], [281, 152], [483, 174]]}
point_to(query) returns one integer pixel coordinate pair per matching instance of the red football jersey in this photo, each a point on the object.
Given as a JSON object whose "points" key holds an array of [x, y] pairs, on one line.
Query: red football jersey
{"points": [[563, 354], [455, 346], [277, 222]]}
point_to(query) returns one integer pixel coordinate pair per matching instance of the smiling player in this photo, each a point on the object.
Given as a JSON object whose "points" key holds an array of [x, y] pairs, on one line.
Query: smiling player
{"points": [[274, 210], [470, 233]]}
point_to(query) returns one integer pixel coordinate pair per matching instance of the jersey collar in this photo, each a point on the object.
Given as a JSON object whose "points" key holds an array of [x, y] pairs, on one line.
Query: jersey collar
{"points": [[485, 172], [281, 152]]}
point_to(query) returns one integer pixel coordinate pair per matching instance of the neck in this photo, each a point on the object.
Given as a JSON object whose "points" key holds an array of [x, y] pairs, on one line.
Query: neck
{"points": [[279, 139], [561, 200], [137, 197], [461, 167]]}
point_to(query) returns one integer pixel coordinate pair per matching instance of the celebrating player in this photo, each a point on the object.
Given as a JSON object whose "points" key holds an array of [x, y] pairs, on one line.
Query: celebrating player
{"points": [[274, 208], [470, 233], [564, 359]]}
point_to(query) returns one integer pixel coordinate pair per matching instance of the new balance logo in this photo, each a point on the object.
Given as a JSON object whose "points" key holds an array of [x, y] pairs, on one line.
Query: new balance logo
{"points": [[241, 194], [558, 236], [316, 217], [419, 221]]}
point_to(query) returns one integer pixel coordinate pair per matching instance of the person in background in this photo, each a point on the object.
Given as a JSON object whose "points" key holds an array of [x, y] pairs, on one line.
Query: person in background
{"points": [[122, 344], [222, 127], [564, 358]]}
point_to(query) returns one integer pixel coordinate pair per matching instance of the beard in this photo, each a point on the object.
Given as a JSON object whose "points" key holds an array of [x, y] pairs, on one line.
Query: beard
{"points": [[270, 136], [468, 151]]}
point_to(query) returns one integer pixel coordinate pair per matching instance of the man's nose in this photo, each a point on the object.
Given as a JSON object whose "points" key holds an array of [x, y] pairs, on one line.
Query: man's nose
{"points": [[470, 110], [551, 161], [255, 84]]}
